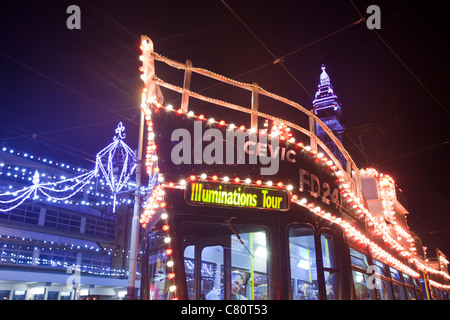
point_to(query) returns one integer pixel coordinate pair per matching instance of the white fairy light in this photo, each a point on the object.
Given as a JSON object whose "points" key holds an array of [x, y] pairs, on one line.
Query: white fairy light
{"points": [[66, 188]]}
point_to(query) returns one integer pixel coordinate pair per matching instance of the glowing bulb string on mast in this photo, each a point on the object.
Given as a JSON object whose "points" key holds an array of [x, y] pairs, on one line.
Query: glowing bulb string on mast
{"points": [[66, 188]]}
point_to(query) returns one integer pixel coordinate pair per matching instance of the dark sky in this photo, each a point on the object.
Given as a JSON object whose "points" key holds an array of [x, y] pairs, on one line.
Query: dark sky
{"points": [[63, 92]]}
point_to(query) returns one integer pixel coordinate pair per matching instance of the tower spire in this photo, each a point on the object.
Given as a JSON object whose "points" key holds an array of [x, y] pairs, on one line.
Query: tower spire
{"points": [[327, 107], [324, 78]]}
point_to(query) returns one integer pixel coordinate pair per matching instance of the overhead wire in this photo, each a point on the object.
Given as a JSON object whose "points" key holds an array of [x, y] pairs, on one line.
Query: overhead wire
{"points": [[320, 39], [415, 152], [52, 131], [267, 49], [34, 137], [280, 59], [404, 64], [431, 95], [415, 77], [66, 87]]}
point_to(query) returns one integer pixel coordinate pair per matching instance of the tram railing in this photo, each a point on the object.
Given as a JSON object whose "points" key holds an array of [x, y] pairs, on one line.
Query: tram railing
{"points": [[350, 171]]}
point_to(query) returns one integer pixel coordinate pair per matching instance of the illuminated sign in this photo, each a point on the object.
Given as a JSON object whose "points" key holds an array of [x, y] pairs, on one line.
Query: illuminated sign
{"points": [[310, 177], [231, 195]]}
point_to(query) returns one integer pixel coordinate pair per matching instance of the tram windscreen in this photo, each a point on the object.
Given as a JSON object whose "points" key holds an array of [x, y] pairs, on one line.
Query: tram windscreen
{"points": [[224, 262], [304, 284]]}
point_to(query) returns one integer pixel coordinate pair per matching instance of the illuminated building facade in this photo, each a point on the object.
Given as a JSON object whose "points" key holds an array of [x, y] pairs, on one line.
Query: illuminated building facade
{"points": [[69, 249]]}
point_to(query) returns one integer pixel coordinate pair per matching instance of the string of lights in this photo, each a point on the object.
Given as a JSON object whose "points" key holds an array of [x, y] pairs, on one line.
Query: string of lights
{"points": [[108, 160], [55, 245], [85, 268]]}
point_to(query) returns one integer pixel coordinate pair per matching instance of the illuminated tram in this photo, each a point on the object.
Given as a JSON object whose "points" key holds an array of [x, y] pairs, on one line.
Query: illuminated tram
{"points": [[263, 210]]}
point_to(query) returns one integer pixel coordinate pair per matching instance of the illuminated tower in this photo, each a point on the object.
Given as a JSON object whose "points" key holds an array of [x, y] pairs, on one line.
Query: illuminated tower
{"points": [[328, 108]]}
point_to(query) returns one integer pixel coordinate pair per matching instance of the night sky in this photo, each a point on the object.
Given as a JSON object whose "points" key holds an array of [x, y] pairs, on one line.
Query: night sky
{"points": [[63, 92]]}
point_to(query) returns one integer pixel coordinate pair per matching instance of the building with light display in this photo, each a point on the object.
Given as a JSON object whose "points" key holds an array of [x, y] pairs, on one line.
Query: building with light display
{"points": [[75, 247]]}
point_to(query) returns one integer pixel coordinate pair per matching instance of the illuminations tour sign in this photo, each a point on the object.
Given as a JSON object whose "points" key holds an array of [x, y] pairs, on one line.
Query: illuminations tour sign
{"points": [[231, 195]]}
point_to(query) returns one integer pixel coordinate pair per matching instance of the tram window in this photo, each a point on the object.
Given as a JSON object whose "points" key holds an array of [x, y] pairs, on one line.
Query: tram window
{"points": [[399, 292], [236, 252], [434, 293], [249, 266], [330, 266], [362, 292], [419, 295], [328, 252], [407, 278], [410, 294], [418, 289], [385, 289], [158, 283], [212, 272], [395, 274], [189, 269], [380, 268], [437, 294], [358, 259], [302, 254]]}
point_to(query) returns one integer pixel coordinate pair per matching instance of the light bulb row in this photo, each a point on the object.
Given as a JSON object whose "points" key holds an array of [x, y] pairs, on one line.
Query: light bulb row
{"points": [[439, 286], [155, 200], [44, 160], [282, 134], [52, 245], [101, 271], [357, 236], [65, 189], [225, 179], [156, 204]]}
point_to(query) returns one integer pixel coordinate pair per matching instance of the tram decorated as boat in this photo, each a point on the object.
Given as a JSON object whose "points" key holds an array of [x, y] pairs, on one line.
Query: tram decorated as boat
{"points": [[263, 209]]}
